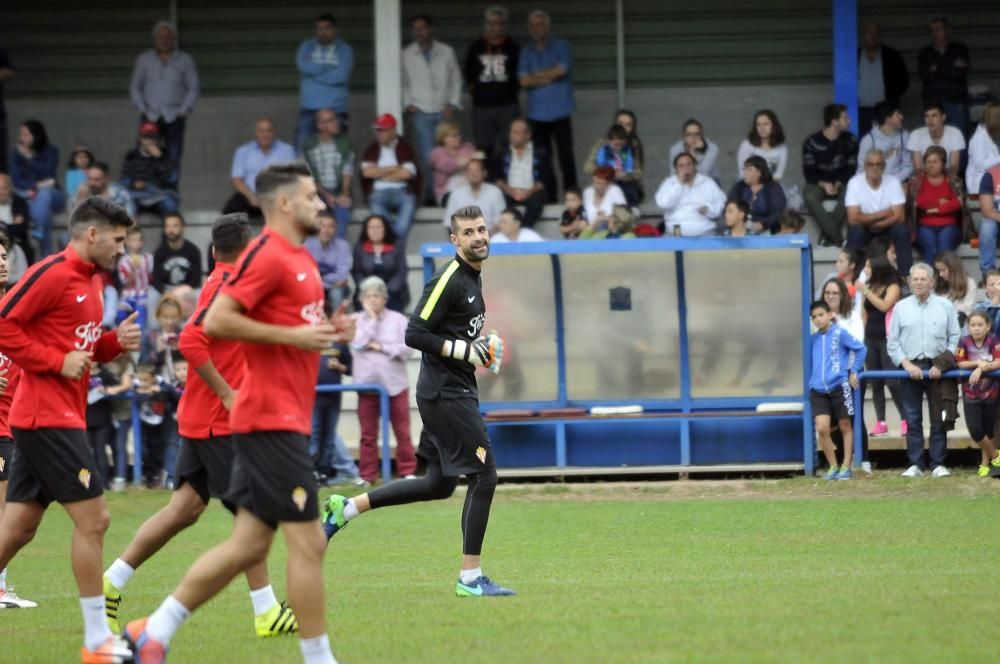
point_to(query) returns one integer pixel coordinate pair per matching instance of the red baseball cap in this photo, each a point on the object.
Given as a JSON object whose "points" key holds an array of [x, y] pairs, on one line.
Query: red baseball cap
{"points": [[384, 121], [149, 129]]}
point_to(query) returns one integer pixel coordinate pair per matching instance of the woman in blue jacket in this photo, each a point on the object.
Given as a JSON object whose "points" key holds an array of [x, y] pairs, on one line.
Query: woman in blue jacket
{"points": [[765, 197], [33, 168]]}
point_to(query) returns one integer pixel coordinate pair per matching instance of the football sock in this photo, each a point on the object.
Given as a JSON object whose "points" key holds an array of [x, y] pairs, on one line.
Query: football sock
{"points": [[317, 650], [469, 575], [3, 579], [119, 573], [95, 625], [350, 510], [166, 620], [476, 511], [263, 599]]}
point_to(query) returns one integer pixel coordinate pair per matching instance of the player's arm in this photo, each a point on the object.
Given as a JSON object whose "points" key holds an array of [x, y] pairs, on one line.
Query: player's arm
{"points": [[193, 344], [227, 320]]}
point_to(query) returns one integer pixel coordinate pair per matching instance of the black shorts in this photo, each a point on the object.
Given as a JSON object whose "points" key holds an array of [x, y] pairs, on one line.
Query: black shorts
{"points": [[839, 403], [6, 452], [980, 418], [454, 435], [273, 477], [207, 465], [53, 464]]}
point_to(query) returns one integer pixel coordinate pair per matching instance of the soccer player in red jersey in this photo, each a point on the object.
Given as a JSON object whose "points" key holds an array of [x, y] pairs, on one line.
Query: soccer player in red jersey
{"points": [[10, 374], [205, 462], [50, 325], [274, 305]]}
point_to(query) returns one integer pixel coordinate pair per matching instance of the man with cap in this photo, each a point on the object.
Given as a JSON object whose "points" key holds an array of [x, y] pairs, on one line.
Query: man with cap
{"points": [[389, 176], [149, 174]]}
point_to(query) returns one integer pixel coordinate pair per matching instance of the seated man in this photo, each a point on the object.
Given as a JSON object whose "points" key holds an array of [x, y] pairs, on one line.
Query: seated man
{"points": [[249, 160], [509, 229], [99, 183], [149, 175], [15, 219], [829, 160], [521, 171], [691, 202], [875, 208], [936, 133], [333, 258], [389, 177], [331, 161], [889, 136], [476, 192]]}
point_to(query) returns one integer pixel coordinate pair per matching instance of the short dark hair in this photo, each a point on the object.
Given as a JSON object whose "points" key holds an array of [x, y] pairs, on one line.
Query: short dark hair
{"points": [[466, 213], [175, 215], [422, 17], [943, 20], [684, 154], [791, 219], [146, 368], [617, 131], [97, 211], [515, 213], [230, 235], [5, 241], [327, 17], [758, 162], [819, 304], [935, 105], [133, 229], [575, 191], [276, 176], [885, 110], [832, 112], [102, 166], [741, 204]]}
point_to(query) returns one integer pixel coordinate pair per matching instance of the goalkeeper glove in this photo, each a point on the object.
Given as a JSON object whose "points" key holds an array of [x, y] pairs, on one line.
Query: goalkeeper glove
{"points": [[482, 352]]}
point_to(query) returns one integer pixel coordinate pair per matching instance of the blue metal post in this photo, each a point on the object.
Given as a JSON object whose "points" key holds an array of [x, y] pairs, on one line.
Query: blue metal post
{"points": [[136, 441], [808, 434], [561, 445], [685, 359], [383, 400], [560, 330], [845, 58]]}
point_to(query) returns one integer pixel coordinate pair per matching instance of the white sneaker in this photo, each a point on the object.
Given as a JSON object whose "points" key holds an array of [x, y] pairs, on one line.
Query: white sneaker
{"points": [[411, 476], [912, 471], [866, 467], [10, 600], [940, 471], [118, 484]]}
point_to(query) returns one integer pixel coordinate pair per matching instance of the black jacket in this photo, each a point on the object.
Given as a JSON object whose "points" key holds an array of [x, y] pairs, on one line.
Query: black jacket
{"points": [[158, 171], [947, 83], [895, 75], [490, 72], [390, 266]]}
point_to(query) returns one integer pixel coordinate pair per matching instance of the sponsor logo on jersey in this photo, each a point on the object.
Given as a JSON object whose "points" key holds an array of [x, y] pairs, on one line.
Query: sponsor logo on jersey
{"points": [[475, 325], [84, 477], [313, 313], [87, 335], [299, 497], [481, 454]]}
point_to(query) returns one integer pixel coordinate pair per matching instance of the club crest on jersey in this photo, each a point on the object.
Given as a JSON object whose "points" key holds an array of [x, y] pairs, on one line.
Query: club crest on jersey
{"points": [[2, 464], [87, 335], [299, 497], [481, 454], [84, 477], [313, 313]]}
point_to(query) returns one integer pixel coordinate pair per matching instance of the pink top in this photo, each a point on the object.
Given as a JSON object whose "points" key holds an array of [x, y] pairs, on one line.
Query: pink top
{"points": [[445, 166], [385, 367]]}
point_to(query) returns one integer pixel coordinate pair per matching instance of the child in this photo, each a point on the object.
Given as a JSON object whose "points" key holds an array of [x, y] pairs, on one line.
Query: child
{"points": [[574, 219], [735, 217], [847, 268], [327, 448], [991, 305], [980, 351], [117, 378], [159, 346], [76, 170], [790, 223], [615, 152], [172, 440], [832, 385], [135, 274], [620, 225], [154, 409]]}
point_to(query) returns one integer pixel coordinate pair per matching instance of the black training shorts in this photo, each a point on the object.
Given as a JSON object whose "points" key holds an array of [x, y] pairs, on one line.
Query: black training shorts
{"points": [[207, 465], [6, 452], [838, 403], [53, 465], [273, 477], [455, 433]]}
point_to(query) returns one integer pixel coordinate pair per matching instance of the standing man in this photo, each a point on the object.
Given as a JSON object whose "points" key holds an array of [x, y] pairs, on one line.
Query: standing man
{"points": [[249, 160], [490, 74], [325, 65], [944, 70], [446, 327], [206, 457], [6, 73], [50, 325], [829, 160], [432, 90], [876, 205], [924, 326], [331, 160], [10, 376], [177, 260], [165, 88], [274, 306], [882, 75], [545, 69]]}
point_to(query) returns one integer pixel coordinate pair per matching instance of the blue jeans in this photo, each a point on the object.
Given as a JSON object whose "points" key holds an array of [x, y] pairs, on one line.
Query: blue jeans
{"points": [[173, 139], [122, 429], [46, 202], [958, 116], [987, 244], [152, 197], [859, 237], [912, 393], [933, 240], [327, 449], [424, 129], [340, 213], [172, 446], [396, 205], [305, 126]]}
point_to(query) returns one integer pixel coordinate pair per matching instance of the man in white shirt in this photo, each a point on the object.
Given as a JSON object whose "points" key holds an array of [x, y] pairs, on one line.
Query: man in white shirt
{"points": [[936, 133], [509, 229], [521, 172], [432, 90], [249, 160], [691, 202], [487, 197], [875, 208]]}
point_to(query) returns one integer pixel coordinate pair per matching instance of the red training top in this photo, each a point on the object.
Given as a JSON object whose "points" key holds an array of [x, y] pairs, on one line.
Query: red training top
{"points": [[278, 284], [929, 197], [13, 377], [53, 309], [200, 414]]}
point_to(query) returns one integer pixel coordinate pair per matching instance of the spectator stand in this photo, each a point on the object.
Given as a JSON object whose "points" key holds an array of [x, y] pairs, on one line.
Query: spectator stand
{"points": [[705, 335]]}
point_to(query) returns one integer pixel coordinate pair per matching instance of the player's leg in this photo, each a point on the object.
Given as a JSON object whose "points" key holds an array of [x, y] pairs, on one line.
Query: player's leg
{"points": [[8, 599], [825, 442], [18, 525], [305, 544], [271, 618], [475, 517], [847, 432]]}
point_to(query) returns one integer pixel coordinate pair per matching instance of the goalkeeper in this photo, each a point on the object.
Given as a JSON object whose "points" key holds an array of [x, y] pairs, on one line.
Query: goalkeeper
{"points": [[446, 327]]}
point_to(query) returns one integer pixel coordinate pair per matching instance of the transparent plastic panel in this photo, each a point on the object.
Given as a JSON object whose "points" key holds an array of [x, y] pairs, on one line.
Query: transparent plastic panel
{"points": [[620, 312], [744, 312], [520, 305]]}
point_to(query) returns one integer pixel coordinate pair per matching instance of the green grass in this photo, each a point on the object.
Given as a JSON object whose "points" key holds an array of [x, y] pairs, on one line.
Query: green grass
{"points": [[793, 570]]}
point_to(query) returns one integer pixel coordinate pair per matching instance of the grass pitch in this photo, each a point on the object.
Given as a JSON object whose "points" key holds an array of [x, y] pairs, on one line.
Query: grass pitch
{"points": [[790, 570]]}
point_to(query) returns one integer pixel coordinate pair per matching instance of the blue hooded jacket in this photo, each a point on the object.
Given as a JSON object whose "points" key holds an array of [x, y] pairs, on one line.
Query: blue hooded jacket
{"points": [[831, 352]]}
